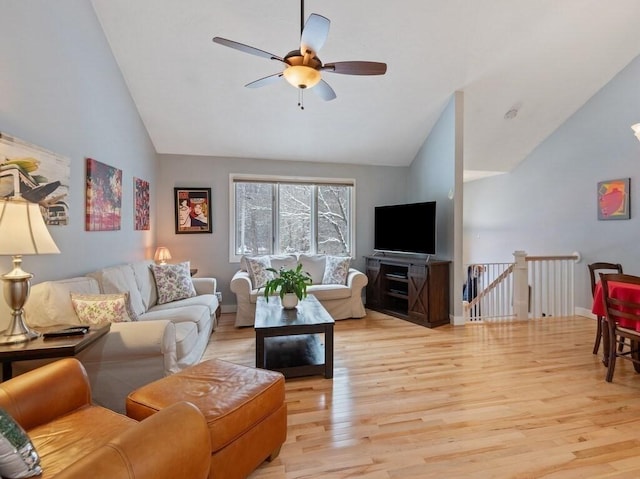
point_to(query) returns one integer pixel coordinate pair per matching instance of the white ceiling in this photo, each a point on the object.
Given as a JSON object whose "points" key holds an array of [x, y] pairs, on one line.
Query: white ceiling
{"points": [[544, 58]]}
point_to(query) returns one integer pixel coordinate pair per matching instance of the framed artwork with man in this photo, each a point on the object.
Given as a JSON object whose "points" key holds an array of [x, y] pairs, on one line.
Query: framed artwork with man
{"points": [[192, 210]]}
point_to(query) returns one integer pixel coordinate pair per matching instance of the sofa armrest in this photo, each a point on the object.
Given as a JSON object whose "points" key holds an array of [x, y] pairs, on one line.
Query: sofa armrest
{"points": [[174, 442], [41, 395], [241, 285], [356, 280], [132, 340], [129, 356], [204, 285]]}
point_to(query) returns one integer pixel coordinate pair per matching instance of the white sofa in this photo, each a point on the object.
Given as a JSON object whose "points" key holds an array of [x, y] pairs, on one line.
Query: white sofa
{"points": [[341, 301], [164, 339]]}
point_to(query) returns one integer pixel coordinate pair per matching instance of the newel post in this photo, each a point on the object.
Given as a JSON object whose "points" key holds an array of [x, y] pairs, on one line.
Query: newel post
{"points": [[520, 286]]}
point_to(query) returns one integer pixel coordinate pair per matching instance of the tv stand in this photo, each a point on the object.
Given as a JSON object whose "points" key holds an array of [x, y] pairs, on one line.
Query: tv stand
{"points": [[411, 288]]}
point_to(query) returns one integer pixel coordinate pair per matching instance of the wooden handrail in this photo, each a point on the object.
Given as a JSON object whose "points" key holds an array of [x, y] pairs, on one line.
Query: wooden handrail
{"points": [[549, 258], [491, 286]]}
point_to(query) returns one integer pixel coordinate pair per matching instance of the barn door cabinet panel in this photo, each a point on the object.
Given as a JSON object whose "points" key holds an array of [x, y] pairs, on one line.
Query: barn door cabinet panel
{"points": [[409, 288]]}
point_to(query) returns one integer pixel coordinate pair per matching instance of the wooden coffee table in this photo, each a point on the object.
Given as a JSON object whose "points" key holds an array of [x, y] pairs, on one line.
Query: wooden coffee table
{"points": [[287, 340]]}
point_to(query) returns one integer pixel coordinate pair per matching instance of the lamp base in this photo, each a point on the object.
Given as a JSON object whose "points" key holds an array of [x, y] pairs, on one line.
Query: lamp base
{"points": [[17, 284], [8, 338]]}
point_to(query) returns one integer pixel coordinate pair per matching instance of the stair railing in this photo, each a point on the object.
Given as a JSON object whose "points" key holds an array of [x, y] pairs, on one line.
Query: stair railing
{"points": [[530, 287]]}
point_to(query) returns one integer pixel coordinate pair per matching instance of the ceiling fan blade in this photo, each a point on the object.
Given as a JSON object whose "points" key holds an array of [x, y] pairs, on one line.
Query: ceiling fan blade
{"points": [[356, 68], [246, 48], [314, 33], [324, 91], [265, 81]]}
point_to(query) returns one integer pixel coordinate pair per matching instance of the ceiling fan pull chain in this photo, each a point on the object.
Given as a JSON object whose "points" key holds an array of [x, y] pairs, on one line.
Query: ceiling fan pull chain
{"points": [[301, 98]]}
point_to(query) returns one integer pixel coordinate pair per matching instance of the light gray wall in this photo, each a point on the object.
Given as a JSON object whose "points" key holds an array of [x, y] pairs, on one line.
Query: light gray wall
{"points": [[547, 205], [436, 175], [210, 252], [61, 89]]}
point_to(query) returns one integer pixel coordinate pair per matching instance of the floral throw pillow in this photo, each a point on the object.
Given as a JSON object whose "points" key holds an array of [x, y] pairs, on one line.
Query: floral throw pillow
{"points": [[102, 308], [173, 282], [257, 269], [18, 457], [336, 270]]}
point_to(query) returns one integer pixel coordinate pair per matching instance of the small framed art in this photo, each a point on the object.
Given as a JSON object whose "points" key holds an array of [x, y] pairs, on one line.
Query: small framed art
{"points": [[613, 199], [192, 210]]}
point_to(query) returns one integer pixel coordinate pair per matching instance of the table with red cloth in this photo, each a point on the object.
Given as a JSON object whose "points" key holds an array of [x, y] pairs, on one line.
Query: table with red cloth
{"points": [[617, 290]]}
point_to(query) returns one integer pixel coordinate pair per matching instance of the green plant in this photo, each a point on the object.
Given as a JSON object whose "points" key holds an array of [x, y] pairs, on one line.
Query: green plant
{"points": [[288, 281]]}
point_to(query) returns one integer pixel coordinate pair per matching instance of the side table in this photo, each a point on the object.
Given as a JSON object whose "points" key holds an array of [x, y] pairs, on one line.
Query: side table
{"points": [[41, 348]]}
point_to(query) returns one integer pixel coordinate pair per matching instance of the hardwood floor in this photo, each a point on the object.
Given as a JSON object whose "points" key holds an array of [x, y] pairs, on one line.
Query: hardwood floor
{"points": [[515, 400]]}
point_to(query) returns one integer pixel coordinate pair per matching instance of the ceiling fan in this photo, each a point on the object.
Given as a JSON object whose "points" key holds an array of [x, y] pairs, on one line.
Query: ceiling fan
{"points": [[302, 67]]}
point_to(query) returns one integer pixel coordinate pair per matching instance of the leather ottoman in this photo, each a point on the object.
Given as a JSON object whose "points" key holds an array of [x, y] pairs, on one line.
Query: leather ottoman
{"points": [[244, 408]]}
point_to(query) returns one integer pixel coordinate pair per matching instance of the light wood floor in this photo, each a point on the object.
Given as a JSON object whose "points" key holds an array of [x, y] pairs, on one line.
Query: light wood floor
{"points": [[517, 400]]}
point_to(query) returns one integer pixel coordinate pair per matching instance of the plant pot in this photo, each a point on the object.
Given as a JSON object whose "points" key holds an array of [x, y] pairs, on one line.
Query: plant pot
{"points": [[289, 301]]}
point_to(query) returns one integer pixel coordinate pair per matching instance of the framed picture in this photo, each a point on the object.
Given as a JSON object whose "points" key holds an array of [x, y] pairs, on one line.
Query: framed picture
{"points": [[103, 197], [613, 199], [192, 210], [141, 204], [39, 175]]}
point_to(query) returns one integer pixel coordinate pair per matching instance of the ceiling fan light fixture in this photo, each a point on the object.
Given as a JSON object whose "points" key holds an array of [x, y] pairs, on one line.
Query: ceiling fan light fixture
{"points": [[302, 76]]}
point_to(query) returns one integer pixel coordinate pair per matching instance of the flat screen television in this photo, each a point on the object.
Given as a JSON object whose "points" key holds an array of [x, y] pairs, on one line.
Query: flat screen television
{"points": [[408, 228]]}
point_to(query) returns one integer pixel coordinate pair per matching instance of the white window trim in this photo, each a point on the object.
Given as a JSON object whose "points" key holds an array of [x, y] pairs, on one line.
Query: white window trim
{"points": [[239, 177]]}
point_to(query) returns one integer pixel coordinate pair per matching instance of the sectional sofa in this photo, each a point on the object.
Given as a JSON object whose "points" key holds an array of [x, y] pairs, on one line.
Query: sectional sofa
{"points": [[165, 337]]}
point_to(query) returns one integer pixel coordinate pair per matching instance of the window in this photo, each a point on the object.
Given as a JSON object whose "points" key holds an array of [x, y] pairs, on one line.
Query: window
{"points": [[280, 215]]}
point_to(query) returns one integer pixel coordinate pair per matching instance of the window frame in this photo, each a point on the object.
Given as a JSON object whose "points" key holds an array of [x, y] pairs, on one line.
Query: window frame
{"points": [[278, 179]]}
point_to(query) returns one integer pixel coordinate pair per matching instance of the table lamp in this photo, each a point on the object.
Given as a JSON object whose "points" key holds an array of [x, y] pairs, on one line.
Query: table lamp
{"points": [[162, 255], [22, 232]]}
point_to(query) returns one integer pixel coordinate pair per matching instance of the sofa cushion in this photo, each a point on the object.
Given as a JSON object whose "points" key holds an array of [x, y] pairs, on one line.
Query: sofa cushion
{"points": [[286, 261], [327, 292], [49, 303], [336, 270], [314, 265], [146, 282], [173, 282], [208, 300], [102, 308], [85, 430], [18, 456], [120, 279], [257, 269], [196, 313]]}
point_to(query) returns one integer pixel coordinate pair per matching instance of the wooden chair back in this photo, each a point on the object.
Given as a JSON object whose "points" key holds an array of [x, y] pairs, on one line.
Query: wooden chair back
{"points": [[623, 319], [601, 267]]}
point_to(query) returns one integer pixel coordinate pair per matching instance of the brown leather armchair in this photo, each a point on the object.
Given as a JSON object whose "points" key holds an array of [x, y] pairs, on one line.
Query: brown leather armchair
{"points": [[75, 438]]}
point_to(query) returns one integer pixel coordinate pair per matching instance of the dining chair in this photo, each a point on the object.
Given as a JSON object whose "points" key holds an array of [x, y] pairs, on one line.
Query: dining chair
{"points": [[594, 270], [623, 319]]}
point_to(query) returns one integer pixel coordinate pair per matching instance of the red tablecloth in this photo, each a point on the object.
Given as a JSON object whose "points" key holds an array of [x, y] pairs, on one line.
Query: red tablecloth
{"points": [[619, 291]]}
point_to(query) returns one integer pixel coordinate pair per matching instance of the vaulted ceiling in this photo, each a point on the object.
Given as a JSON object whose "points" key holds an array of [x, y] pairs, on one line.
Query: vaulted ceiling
{"points": [[524, 66]]}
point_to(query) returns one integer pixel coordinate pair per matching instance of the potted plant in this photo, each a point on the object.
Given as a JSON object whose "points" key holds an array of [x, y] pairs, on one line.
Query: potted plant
{"points": [[290, 284]]}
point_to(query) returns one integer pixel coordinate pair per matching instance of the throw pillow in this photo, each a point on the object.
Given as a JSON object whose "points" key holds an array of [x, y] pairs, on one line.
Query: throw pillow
{"points": [[18, 457], [257, 269], [336, 270], [102, 308], [173, 282], [314, 264]]}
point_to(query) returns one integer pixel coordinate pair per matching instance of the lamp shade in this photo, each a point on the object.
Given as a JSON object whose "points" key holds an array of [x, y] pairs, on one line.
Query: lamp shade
{"points": [[22, 229], [162, 254], [636, 130]]}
